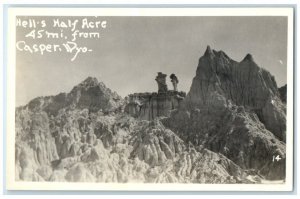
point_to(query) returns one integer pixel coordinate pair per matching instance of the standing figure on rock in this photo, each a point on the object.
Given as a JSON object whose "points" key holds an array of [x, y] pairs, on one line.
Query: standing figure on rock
{"points": [[161, 81], [174, 81]]}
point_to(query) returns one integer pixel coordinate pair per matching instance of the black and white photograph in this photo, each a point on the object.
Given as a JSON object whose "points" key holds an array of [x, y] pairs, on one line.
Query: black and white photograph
{"points": [[141, 98]]}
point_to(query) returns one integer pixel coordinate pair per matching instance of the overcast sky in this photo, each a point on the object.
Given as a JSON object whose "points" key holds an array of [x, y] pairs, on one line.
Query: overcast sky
{"points": [[132, 50]]}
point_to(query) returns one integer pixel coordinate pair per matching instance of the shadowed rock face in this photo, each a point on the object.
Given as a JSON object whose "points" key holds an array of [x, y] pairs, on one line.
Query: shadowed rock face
{"points": [[220, 80], [233, 132], [283, 92]]}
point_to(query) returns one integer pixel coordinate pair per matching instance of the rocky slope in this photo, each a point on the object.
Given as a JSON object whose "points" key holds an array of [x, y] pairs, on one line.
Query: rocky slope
{"points": [[71, 141], [94, 147]]}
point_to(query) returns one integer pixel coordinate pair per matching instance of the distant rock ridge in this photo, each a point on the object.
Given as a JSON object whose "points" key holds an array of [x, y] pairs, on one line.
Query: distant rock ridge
{"points": [[89, 94]]}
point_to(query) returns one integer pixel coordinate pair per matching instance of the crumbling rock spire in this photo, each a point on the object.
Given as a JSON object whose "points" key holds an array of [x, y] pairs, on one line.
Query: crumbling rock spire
{"points": [[161, 81], [174, 81]]}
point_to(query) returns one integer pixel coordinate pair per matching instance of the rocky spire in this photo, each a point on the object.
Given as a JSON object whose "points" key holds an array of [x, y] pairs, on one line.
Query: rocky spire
{"points": [[161, 81], [208, 51], [248, 57], [219, 79]]}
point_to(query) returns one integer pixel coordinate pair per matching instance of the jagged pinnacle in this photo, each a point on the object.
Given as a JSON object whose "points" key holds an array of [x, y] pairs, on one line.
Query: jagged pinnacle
{"points": [[248, 57], [89, 81], [208, 51]]}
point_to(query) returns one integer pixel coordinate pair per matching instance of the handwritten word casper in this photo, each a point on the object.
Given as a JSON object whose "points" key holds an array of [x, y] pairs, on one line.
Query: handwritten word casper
{"points": [[85, 24], [69, 47], [37, 48]]}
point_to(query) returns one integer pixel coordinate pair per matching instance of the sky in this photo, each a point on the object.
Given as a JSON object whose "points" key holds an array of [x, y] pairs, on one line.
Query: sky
{"points": [[131, 50]]}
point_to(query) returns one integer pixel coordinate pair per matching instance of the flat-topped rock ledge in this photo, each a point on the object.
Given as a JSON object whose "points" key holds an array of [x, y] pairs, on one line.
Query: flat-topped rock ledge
{"points": [[148, 106]]}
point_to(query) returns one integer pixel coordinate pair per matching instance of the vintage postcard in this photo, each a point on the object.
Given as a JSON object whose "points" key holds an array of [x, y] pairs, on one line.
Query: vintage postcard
{"points": [[173, 99]]}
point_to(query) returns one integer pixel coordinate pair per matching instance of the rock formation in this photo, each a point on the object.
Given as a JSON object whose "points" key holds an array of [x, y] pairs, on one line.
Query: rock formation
{"points": [[161, 82], [174, 81], [234, 108], [220, 80], [148, 106], [228, 129]]}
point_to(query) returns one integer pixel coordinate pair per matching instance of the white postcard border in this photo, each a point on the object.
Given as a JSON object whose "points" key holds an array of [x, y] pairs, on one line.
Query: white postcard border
{"points": [[11, 85]]}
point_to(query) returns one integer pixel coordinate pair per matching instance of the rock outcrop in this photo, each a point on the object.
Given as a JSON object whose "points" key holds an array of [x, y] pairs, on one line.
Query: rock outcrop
{"points": [[234, 108], [220, 80], [148, 106]]}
